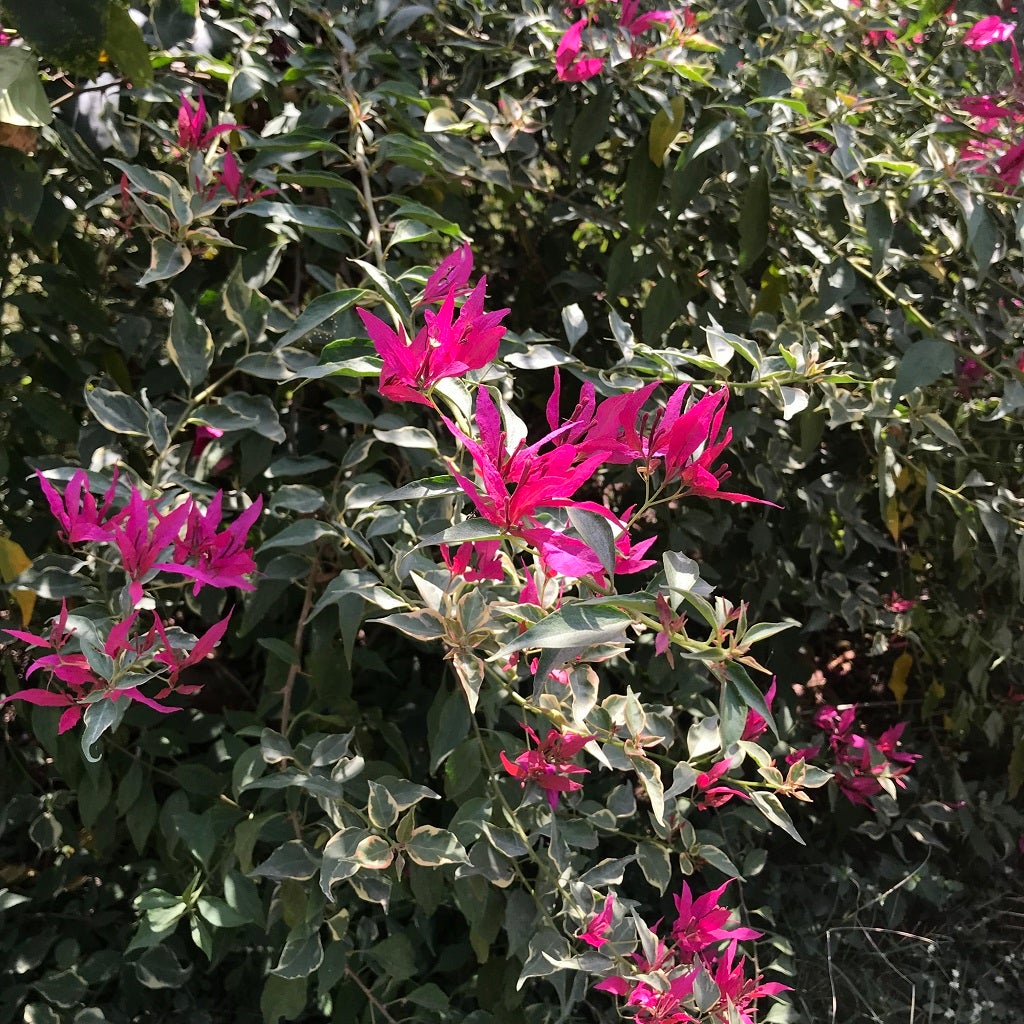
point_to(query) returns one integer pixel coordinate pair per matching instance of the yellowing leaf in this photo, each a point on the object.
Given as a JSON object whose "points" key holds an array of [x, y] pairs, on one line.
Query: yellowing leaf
{"points": [[898, 677], [892, 517], [664, 130], [13, 562]]}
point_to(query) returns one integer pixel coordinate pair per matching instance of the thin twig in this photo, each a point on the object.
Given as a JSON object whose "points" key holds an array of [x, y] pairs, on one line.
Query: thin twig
{"points": [[300, 629], [374, 1001]]}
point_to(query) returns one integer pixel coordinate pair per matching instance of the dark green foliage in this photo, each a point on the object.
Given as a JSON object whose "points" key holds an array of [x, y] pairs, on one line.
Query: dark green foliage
{"points": [[809, 237]]}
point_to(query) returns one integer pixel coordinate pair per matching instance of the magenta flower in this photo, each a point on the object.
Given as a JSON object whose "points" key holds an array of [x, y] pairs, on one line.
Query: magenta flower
{"points": [[701, 922], [212, 558], [548, 766], [755, 725], [739, 994], [711, 795], [451, 275], [895, 603], [634, 22], [73, 670], [142, 535], [515, 485], [475, 560], [683, 445], [234, 182], [568, 65], [77, 512], [571, 557], [987, 31], [669, 624], [448, 346], [202, 648], [192, 123], [599, 924]]}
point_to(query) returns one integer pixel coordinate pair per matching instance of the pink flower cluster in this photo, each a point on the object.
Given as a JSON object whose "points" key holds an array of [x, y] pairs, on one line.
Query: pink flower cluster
{"points": [[144, 536], [84, 686], [521, 488], [998, 116], [879, 37], [860, 762], [661, 990], [448, 345], [575, 61], [548, 764], [193, 135], [186, 540]]}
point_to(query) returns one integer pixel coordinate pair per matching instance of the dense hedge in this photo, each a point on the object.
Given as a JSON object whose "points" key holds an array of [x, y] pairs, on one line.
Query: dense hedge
{"points": [[263, 459]]}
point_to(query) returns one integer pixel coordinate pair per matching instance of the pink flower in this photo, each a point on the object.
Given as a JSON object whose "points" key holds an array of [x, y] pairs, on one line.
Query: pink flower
{"points": [[515, 485], [451, 276], [755, 725], [74, 671], [77, 512], [899, 605], [683, 445], [231, 177], [448, 346], [568, 65], [202, 648], [711, 795], [142, 535], [599, 924], [669, 624], [475, 560], [573, 558], [739, 994], [211, 558], [191, 125], [987, 31], [701, 922], [634, 23], [548, 765]]}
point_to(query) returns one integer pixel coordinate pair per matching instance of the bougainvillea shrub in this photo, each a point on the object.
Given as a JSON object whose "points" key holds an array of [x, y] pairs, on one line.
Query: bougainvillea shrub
{"points": [[510, 511]]}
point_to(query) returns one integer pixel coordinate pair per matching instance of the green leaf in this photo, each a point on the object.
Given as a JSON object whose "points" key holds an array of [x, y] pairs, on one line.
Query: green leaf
{"points": [[340, 861], [22, 99], [158, 967], [754, 215], [642, 189], [591, 124], [394, 957], [655, 864], [771, 807], [737, 679], [69, 35], [310, 217], [126, 47], [241, 411], [100, 717], [301, 956], [219, 913], [167, 259], [117, 411], [62, 988], [21, 186], [922, 364], [321, 309], [664, 129], [190, 345], [429, 847], [382, 808], [291, 860], [282, 999], [574, 625]]}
